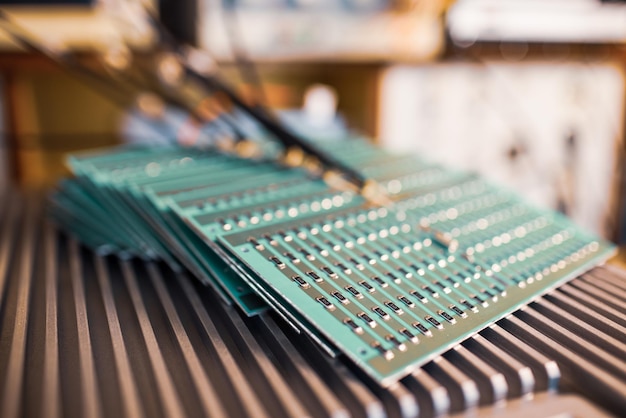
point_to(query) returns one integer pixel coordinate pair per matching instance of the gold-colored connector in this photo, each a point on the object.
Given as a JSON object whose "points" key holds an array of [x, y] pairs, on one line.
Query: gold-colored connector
{"points": [[248, 149], [313, 165], [226, 144], [446, 240], [293, 157], [336, 180], [373, 192]]}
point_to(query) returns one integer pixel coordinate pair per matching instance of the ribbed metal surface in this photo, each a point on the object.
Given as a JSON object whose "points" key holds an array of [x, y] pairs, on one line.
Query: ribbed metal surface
{"points": [[86, 336]]}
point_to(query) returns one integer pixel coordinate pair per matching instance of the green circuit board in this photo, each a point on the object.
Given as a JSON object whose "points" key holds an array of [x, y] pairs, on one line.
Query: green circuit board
{"points": [[389, 296], [127, 187], [389, 287]]}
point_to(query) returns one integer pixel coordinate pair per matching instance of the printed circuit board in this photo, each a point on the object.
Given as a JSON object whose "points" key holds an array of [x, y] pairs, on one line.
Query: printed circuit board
{"points": [[390, 287]]}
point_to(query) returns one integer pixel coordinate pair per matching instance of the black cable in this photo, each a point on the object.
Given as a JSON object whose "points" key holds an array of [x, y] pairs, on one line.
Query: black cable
{"points": [[209, 83], [286, 138], [258, 113]]}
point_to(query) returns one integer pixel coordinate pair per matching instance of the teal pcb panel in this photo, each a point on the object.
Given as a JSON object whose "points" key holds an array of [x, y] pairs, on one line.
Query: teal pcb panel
{"points": [[128, 188], [392, 288]]}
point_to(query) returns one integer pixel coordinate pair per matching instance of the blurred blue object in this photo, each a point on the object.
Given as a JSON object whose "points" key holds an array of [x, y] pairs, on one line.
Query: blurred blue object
{"points": [[175, 127]]}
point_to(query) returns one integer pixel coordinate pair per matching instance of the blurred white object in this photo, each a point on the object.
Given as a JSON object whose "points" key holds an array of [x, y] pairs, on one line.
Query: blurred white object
{"points": [[318, 118], [320, 104], [537, 20], [548, 131], [324, 30]]}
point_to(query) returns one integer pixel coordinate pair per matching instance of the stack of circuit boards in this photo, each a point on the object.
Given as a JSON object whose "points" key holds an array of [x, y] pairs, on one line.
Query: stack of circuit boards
{"points": [[389, 287]]}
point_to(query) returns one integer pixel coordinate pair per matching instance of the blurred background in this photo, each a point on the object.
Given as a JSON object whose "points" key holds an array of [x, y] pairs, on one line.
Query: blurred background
{"points": [[529, 93]]}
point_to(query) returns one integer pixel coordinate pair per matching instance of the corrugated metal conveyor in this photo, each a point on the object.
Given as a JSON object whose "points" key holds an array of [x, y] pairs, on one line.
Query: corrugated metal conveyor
{"points": [[88, 336]]}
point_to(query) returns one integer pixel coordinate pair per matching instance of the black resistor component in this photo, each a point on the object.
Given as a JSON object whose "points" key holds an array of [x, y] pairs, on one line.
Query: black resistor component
{"points": [[278, 262], [326, 303], [434, 322], [367, 286], [314, 276], [353, 325], [406, 301]]}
